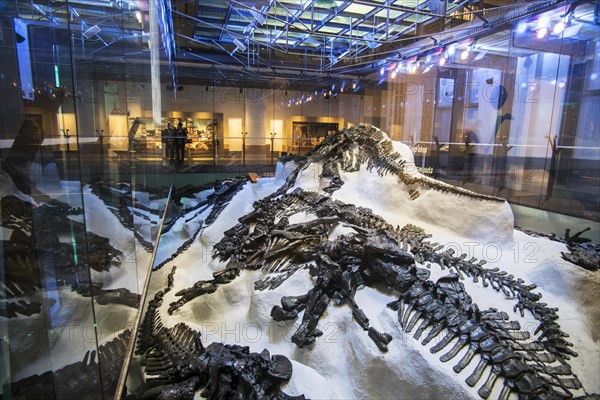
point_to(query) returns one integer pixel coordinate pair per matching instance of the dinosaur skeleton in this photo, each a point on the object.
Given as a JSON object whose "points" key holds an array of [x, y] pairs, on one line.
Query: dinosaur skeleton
{"points": [[94, 377], [379, 254], [376, 254], [222, 193], [581, 251], [349, 149], [122, 203], [34, 245], [178, 364]]}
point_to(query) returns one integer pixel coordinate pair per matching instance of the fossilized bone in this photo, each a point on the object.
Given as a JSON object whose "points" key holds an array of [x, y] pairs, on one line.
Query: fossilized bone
{"points": [[11, 309], [105, 296], [94, 377], [349, 148], [121, 202], [223, 192], [177, 364], [581, 251], [34, 244]]}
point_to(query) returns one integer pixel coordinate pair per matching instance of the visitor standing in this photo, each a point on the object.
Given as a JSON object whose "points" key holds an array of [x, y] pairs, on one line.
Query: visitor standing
{"points": [[181, 138], [167, 141]]}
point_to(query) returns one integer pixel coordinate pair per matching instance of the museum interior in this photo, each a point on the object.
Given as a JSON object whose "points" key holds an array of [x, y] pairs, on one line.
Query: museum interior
{"points": [[369, 196]]}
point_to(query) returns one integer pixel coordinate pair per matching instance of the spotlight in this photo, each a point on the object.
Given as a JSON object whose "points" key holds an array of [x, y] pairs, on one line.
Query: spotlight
{"points": [[353, 85], [394, 74], [413, 68], [522, 27], [451, 49], [465, 54], [541, 33], [382, 71], [442, 61], [562, 84], [594, 76], [559, 28]]}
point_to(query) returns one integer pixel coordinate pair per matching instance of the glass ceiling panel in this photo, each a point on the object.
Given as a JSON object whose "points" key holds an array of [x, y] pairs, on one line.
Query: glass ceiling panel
{"points": [[341, 20], [236, 28], [359, 9], [416, 18], [329, 29], [317, 16], [383, 13], [295, 35], [302, 26], [274, 22], [369, 24], [406, 3]]}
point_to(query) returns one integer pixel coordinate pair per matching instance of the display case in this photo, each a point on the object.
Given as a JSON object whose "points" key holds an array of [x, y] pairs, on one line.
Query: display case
{"points": [[357, 186]]}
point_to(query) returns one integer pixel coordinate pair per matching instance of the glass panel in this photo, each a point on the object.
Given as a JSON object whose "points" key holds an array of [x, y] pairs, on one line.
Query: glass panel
{"points": [[47, 265], [74, 133], [508, 114]]}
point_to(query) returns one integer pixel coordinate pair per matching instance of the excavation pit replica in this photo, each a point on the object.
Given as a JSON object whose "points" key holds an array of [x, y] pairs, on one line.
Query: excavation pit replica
{"points": [[352, 275], [351, 269]]}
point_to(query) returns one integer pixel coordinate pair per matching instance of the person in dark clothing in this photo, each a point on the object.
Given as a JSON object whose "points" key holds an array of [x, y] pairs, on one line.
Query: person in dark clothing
{"points": [[181, 137], [471, 141], [167, 140]]}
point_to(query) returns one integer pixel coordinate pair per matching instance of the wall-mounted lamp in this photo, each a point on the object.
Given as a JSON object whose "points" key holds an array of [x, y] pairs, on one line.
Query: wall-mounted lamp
{"points": [[465, 54]]}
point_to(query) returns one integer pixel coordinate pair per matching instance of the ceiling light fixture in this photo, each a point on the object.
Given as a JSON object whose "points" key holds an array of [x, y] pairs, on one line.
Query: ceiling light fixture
{"points": [[559, 28], [239, 45], [541, 33], [544, 21], [522, 27]]}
